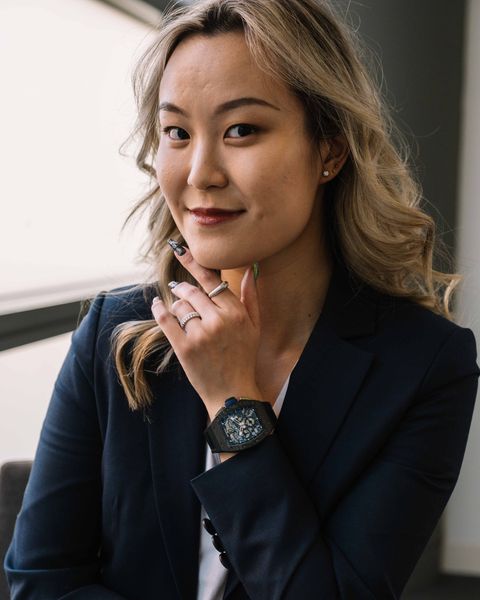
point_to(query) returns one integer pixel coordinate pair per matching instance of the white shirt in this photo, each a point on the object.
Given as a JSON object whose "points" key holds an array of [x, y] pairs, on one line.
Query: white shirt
{"points": [[212, 575]]}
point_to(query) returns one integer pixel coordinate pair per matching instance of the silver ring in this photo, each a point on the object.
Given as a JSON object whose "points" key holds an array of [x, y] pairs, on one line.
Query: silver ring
{"points": [[187, 317], [218, 289]]}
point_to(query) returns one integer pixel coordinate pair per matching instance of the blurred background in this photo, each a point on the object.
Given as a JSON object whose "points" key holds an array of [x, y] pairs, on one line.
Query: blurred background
{"points": [[66, 107]]}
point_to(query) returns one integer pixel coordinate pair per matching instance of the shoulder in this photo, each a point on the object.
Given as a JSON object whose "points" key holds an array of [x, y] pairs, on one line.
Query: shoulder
{"points": [[120, 304], [101, 314], [127, 303], [418, 338], [408, 318]]}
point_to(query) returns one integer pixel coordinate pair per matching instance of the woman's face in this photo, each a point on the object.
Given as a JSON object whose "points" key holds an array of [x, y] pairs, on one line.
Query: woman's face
{"points": [[249, 156]]}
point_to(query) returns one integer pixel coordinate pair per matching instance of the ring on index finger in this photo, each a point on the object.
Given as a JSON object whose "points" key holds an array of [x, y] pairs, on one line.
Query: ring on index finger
{"points": [[219, 289]]}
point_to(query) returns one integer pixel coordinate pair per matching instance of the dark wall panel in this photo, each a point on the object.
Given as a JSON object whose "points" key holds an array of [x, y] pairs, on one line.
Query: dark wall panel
{"points": [[420, 43]]}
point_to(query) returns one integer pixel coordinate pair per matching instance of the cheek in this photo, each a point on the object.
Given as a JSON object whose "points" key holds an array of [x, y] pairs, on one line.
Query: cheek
{"points": [[282, 190], [280, 165], [163, 170], [167, 177], [287, 205]]}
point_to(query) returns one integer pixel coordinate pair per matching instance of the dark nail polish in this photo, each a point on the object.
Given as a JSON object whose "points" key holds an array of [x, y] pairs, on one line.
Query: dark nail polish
{"points": [[176, 247]]}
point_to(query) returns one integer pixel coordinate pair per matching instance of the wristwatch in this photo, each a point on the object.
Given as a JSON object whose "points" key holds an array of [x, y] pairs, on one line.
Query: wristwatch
{"points": [[240, 424]]}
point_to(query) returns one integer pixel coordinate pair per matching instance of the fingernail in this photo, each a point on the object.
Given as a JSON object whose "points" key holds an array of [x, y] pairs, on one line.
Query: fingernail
{"points": [[172, 284], [176, 247], [256, 270], [156, 300]]}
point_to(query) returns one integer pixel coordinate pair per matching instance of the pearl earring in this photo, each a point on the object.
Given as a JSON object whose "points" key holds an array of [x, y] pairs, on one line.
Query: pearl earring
{"points": [[326, 173]]}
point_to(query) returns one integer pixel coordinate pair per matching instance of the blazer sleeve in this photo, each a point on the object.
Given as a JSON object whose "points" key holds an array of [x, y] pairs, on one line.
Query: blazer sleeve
{"points": [[368, 546], [55, 545]]}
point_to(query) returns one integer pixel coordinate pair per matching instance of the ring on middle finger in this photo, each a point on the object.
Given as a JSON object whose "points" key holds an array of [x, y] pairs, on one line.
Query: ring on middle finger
{"points": [[191, 315]]}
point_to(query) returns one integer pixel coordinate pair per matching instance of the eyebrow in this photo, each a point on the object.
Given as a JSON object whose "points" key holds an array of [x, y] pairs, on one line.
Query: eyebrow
{"points": [[222, 108]]}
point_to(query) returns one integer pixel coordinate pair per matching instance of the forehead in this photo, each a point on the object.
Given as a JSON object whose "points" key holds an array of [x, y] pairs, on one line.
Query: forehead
{"points": [[216, 68]]}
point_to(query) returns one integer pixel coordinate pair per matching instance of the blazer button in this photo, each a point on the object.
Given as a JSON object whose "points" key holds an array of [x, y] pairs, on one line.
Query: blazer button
{"points": [[224, 560], [209, 526], [217, 543]]}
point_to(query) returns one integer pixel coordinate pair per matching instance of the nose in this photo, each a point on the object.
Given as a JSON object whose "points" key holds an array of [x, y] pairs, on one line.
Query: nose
{"points": [[205, 169]]}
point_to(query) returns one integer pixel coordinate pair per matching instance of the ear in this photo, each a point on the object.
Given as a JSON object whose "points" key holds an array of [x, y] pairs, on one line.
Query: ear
{"points": [[333, 155]]}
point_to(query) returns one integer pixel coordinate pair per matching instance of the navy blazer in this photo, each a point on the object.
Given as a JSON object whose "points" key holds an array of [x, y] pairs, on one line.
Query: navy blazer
{"points": [[338, 503]]}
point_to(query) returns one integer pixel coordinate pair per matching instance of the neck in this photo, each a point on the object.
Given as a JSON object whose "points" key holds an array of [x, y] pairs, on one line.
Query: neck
{"points": [[291, 289]]}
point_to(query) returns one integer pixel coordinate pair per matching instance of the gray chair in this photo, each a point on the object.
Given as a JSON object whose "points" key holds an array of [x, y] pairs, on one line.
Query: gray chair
{"points": [[13, 480]]}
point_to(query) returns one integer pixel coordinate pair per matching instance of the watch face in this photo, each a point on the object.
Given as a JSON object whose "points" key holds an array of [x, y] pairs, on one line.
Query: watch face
{"points": [[241, 425]]}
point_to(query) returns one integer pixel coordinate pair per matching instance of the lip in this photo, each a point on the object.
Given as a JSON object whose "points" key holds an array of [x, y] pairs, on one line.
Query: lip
{"points": [[214, 216], [200, 210]]}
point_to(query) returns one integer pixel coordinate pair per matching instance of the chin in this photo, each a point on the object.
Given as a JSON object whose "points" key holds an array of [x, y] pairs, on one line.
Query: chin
{"points": [[212, 260]]}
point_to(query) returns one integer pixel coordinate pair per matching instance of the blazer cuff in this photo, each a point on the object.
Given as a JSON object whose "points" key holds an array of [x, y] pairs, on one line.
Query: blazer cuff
{"points": [[267, 523]]}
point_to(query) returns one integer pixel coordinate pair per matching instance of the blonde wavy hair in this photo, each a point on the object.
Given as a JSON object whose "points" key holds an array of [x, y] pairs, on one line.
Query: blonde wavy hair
{"points": [[372, 208]]}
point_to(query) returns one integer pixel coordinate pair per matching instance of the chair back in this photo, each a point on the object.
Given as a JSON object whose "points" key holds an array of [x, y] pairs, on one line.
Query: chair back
{"points": [[13, 480]]}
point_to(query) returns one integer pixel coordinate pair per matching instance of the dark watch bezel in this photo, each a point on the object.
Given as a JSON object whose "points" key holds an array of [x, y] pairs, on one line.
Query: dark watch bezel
{"points": [[215, 434]]}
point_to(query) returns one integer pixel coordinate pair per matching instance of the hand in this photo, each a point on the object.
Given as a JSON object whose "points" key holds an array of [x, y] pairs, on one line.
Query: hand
{"points": [[217, 351]]}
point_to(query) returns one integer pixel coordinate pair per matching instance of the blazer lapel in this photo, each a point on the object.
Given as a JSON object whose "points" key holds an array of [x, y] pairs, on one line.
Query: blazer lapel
{"points": [[324, 383], [330, 371]]}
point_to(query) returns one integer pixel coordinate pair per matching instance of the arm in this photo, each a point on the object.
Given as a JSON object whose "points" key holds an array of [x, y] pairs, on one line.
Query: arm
{"points": [[55, 546], [368, 547]]}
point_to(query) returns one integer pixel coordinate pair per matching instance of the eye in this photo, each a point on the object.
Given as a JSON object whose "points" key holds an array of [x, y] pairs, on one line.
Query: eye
{"points": [[243, 130], [244, 127], [167, 130]]}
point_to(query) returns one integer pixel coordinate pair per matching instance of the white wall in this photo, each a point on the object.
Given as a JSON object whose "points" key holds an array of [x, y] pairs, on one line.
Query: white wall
{"points": [[66, 106], [461, 548], [27, 375]]}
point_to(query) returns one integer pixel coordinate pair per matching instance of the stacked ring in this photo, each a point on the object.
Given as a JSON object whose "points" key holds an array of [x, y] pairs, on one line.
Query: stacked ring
{"points": [[194, 314], [187, 317]]}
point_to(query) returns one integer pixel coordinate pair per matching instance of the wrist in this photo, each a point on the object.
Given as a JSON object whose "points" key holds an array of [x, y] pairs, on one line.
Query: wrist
{"points": [[226, 455]]}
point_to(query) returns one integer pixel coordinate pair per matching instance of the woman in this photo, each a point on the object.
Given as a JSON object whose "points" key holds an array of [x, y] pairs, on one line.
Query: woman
{"points": [[292, 267]]}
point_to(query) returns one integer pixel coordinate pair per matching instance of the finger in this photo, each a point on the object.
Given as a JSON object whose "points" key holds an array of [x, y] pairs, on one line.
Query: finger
{"points": [[169, 324], [194, 296], [207, 278], [180, 308], [249, 296]]}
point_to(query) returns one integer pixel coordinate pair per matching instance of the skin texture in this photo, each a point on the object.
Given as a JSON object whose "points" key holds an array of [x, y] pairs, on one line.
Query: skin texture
{"points": [[259, 160]]}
